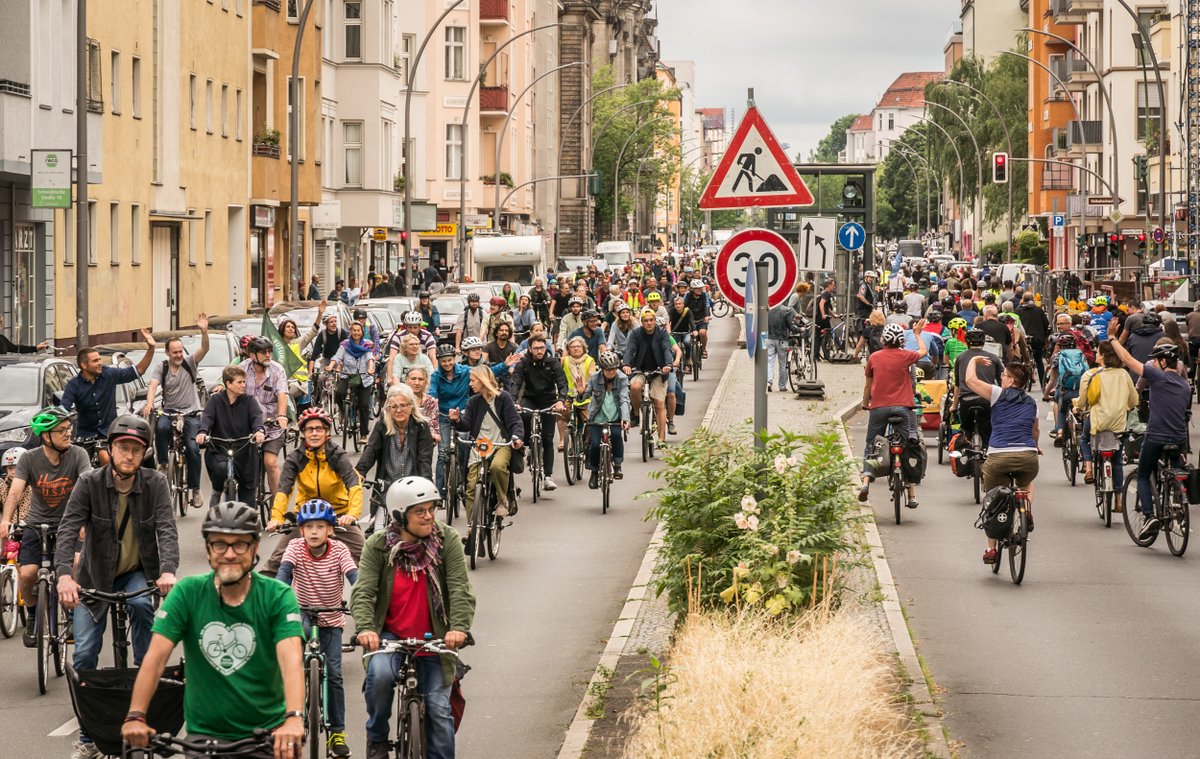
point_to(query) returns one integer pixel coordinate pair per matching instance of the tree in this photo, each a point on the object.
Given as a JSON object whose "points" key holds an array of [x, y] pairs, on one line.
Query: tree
{"points": [[637, 118], [833, 143], [692, 218], [904, 184]]}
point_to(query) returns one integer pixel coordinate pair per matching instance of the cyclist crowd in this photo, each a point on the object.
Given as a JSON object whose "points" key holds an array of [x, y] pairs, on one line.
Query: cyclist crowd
{"points": [[1098, 360], [594, 344]]}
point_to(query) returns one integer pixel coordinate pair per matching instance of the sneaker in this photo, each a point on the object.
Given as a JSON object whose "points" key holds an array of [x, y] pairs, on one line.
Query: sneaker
{"points": [[989, 556], [84, 751], [864, 492], [27, 636], [197, 499], [617, 473], [548, 484], [502, 509], [378, 750], [912, 504], [769, 388], [1149, 527], [336, 744], [671, 429], [1058, 441], [594, 480]]}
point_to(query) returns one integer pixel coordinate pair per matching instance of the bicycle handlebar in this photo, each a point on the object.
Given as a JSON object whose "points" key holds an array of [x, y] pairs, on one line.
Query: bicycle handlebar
{"points": [[119, 598], [324, 609], [165, 742], [547, 410]]}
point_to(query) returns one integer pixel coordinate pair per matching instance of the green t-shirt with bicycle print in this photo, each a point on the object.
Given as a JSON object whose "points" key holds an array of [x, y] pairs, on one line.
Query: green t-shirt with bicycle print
{"points": [[233, 681]]}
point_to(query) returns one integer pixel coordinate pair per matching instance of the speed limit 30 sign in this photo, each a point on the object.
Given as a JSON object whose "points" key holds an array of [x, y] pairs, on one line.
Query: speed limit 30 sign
{"points": [[747, 248]]}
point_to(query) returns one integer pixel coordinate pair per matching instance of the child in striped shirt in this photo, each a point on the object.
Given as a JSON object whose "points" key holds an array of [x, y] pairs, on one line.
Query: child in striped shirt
{"points": [[315, 565]]}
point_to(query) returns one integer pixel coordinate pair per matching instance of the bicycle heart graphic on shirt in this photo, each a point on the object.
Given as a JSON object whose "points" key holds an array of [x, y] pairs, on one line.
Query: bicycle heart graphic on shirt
{"points": [[227, 647]]}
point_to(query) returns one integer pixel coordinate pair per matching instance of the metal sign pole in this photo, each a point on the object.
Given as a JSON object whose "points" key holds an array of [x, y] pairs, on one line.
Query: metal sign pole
{"points": [[760, 353]]}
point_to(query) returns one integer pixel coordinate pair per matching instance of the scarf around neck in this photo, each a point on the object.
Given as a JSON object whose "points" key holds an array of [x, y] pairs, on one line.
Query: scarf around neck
{"points": [[419, 556], [357, 349], [577, 367]]}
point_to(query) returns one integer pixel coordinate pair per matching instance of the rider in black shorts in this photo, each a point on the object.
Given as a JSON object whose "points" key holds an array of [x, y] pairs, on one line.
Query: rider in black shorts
{"points": [[972, 409]]}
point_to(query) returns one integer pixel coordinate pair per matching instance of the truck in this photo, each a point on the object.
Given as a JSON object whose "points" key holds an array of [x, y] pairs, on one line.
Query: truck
{"points": [[613, 254], [508, 258]]}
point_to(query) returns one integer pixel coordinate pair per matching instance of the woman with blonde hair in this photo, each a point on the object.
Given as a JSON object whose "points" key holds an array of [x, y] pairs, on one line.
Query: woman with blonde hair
{"points": [[418, 379], [491, 414], [872, 334], [401, 444], [579, 367]]}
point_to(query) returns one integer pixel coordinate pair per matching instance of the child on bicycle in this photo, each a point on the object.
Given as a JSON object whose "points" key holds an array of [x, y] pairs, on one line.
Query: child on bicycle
{"points": [[314, 565], [9, 462]]}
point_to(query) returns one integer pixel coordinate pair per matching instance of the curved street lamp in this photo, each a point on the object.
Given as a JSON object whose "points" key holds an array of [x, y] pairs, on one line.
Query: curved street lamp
{"points": [[916, 188], [977, 213], [929, 170], [617, 166], [949, 139]]}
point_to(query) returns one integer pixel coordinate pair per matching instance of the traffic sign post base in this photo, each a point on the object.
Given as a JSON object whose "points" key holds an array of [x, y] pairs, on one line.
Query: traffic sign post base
{"points": [[842, 357], [809, 389]]}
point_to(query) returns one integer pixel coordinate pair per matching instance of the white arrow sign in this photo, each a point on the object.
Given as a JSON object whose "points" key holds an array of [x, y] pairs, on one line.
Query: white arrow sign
{"points": [[818, 236]]}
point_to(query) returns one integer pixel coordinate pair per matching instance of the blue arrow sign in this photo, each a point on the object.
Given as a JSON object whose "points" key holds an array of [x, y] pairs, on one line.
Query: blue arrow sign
{"points": [[751, 338], [851, 235]]}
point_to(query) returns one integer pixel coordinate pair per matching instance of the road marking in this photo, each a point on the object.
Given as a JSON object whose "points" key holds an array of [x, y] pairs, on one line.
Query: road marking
{"points": [[70, 727]]}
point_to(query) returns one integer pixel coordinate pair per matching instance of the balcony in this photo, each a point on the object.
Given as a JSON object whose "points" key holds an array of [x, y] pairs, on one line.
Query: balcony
{"points": [[1079, 74], [493, 101], [1056, 177], [1074, 11], [1084, 133], [1058, 142], [493, 12], [274, 5]]}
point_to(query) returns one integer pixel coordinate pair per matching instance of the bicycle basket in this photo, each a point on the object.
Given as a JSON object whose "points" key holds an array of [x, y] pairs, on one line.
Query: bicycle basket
{"points": [[100, 698]]}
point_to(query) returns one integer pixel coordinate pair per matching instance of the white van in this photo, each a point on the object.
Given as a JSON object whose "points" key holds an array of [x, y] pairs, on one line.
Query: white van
{"points": [[614, 253], [508, 258]]}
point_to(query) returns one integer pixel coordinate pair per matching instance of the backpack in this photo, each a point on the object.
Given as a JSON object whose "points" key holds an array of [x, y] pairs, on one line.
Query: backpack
{"points": [[959, 465], [996, 514], [1071, 366], [201, 389]]}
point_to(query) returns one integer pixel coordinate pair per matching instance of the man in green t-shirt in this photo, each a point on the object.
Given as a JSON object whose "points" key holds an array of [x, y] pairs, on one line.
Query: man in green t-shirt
{"points": [[241, 638]]}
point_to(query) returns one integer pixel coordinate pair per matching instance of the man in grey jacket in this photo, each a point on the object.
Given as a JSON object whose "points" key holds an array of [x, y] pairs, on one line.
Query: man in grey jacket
{"points": [[131, 541], [779, 324]]}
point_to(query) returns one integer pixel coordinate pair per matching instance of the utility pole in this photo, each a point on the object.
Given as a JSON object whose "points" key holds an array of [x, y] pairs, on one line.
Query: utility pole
{"points": [[83, 241], [295, 240]]}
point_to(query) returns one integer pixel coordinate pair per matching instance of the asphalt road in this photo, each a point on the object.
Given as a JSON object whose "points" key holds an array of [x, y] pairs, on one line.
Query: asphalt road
{"points": [[1093, 655], [545, 608]]}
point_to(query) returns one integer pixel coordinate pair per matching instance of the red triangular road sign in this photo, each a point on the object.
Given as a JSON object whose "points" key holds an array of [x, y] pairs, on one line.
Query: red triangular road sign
{"points": [[754, 172]]}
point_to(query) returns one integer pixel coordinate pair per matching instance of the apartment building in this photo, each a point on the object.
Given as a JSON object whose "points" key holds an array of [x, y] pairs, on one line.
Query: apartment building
{"points": [[168, 221], [37, 111], [662, 228], [989, 26]]}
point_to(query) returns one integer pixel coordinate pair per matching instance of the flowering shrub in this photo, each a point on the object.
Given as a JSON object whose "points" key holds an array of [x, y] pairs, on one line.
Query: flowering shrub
{"points": [[746, 526]]}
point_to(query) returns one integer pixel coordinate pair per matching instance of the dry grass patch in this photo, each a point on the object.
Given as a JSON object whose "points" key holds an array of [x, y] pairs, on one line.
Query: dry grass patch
{"points": [[750, 686]]}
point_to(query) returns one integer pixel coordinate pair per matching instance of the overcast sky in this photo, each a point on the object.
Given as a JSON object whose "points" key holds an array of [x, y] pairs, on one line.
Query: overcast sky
{"points": [[809, 61]]}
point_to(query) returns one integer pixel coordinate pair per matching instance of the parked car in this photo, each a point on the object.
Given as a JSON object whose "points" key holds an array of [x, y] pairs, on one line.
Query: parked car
{"points": [[450, 307], [485, 289], [398, 306]]}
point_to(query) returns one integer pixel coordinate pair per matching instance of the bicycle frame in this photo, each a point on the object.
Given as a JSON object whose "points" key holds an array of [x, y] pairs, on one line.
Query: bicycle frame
{"points": [[410, 703], [119, 611]]}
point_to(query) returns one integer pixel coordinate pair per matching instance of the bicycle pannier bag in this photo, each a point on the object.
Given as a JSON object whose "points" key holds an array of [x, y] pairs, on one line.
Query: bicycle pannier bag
{"points": [[680, 399], [1193, 486], [996, 514], [960, 466], [913, 461], [877, 461], [516, 464]]}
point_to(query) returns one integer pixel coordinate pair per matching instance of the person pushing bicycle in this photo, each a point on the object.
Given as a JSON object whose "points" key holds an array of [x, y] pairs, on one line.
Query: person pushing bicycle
{"points": [[232, 414], [241, 638], [412, 580]]}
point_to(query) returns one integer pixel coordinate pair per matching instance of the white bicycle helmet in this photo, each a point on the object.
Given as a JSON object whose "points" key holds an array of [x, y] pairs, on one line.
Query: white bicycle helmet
{"points": [[697, 283], [893, 335], [403, 494], [12, 456], [412, 317], [469, 343]]}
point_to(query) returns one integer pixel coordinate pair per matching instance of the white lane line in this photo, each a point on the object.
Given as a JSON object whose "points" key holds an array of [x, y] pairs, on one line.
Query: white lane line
{"points": [[70, 727]]}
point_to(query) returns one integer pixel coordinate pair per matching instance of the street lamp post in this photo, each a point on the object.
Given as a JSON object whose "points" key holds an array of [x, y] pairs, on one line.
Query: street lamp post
{"points": [[961, 175], [617, 167], [523, 185], [508, 120], [1007, 141], [930, 171], [296, 240], [916, 188], [1162, 114], [409, 75], [979, 164], [83, 228], [461, 235]]}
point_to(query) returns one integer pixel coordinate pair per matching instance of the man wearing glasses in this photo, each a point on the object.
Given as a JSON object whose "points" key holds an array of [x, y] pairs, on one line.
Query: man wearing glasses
{"points": [[131, 541], [241, 638]]}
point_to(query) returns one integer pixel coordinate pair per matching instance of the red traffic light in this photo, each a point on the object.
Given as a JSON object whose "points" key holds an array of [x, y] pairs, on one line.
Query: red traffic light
{"points": [[1141, 237], [1112, 237], [1001, 158], [403, 236]]}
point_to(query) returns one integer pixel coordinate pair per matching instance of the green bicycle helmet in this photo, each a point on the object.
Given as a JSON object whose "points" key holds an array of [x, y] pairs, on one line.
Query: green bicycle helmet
{"points": [[49, 418]]}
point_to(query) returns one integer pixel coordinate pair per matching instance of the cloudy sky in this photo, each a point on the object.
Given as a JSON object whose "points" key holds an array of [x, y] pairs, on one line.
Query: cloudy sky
{"points": [[809, 61]]}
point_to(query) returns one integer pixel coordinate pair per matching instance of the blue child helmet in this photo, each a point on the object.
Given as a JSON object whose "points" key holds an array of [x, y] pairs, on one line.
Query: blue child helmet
{"points": [[316, 510]]}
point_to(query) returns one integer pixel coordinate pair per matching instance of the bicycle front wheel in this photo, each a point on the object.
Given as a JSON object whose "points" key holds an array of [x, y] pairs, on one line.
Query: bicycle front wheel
{"points": [[451, 488], [569, 455], [412, 734], [1070, 460], [42, 633], [605, 477], [897, 487], [312, 708], [1132, 515], [8, 601], [535, 468], [1177, 522], [1018, 547], [62, 632]]}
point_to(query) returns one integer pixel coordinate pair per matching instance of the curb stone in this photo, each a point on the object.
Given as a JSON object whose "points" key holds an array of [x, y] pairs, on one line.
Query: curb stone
{"points": [[580, 729], [922, 698]]}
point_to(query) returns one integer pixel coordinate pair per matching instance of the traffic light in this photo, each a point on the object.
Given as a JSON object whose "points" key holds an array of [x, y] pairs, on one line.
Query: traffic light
{"points": [[403, 236], [1113, 249], [1141, 244], [1081, 243], [1141, 168], [999, 168]]}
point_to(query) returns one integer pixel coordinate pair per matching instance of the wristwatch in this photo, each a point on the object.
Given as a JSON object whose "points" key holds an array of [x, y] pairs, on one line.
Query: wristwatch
{"points": [[294, 713]]}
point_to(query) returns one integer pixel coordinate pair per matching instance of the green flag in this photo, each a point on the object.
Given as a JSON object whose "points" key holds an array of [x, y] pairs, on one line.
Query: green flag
{"points": [[280, 351]]}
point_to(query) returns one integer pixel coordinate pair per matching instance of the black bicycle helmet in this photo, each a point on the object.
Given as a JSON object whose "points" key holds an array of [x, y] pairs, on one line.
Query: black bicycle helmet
{"points": [[591, 313], [231, 518], [975, 337], [258, 345], [423, 294], [1166, 351], [1066, 341], [445, 349], [360, 313], [129, 426], [1151, 319]]}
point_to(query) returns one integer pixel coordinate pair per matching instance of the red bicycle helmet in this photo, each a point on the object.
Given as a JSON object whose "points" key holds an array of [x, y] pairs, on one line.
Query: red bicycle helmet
{"points": [[315, 413]]}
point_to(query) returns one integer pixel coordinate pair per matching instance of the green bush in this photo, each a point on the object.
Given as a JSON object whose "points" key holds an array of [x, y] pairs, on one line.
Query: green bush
{"points": [[999, 248], [746, 527]]}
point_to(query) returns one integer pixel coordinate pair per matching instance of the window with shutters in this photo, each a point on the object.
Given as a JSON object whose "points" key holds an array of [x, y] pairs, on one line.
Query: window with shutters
{"points": [[95, 78], [1149, 108], [114, 82]]}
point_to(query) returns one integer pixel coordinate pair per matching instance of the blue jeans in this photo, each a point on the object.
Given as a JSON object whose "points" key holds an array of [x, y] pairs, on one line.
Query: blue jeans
{"points": [[89, 632], [614, 438], [383, 671], [1118, 457], [777, 351], [331, 646], [1065, 397], [1147, 462], [162, 439], [877, 423]]}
